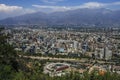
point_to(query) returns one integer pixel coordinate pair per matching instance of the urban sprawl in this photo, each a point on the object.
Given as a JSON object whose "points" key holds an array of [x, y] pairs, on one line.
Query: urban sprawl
{"points": [[77, 49]]}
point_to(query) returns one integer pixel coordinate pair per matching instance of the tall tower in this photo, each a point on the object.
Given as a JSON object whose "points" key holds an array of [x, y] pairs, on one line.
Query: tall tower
{"points": [[104, 54]]}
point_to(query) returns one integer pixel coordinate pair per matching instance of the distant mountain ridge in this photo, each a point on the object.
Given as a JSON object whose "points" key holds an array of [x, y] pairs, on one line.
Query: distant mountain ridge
{"points": [[83, 17]]}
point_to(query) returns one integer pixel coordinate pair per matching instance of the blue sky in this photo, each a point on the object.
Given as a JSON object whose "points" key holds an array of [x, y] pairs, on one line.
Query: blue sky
{"points": [[29, 3], [11, 8]]}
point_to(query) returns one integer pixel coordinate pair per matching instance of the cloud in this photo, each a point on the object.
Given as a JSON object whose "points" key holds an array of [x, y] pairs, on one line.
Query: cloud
{"points": [[65, 8], [53, 8], [85, 5], [11, 11], [52, 1], [92, 5], [6, 8], [98, 4]]}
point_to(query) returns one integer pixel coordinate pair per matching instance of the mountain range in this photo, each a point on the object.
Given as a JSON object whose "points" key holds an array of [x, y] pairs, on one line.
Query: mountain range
{"points": [[82, 17]]}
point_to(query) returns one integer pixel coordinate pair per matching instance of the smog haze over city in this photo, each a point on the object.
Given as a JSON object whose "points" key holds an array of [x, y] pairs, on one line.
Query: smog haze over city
{"points": [[59, 39]]}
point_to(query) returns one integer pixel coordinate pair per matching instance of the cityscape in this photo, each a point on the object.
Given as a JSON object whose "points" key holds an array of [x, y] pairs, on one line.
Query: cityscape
{"points": [[59, 40], [74, 50]]}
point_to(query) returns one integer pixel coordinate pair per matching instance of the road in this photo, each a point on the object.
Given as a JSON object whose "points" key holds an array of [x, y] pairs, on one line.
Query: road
{"points": [[83, 60], [55, 59]]}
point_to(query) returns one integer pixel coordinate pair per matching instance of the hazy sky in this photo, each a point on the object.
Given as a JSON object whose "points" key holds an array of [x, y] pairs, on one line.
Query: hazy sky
{"points": [[11, 8]]}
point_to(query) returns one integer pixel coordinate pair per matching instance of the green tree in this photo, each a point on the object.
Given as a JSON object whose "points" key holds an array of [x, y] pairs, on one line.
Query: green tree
{"points": [[8, 62], [7, 53]]}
